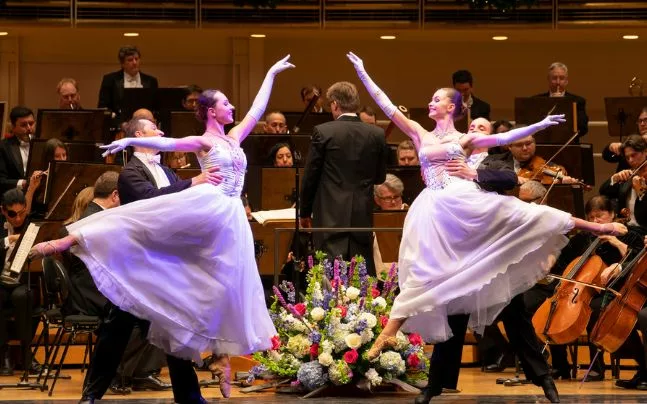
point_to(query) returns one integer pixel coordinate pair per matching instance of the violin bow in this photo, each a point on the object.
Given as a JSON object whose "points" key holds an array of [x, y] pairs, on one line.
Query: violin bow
{"points": [[306, 112], [601, 288], [552, 185], [541, 170]]}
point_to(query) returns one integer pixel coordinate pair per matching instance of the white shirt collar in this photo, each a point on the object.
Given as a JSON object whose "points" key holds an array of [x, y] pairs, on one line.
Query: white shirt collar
{"points": [[347, 114]]}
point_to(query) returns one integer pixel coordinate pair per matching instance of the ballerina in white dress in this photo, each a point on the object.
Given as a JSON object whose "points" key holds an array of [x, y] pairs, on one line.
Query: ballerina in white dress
{"points": [[465, 250], [185, 261]]}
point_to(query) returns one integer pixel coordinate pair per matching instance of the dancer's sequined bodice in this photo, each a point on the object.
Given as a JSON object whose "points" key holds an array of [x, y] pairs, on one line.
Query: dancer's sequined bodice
{"points": [[433, 171], [232, 162]]}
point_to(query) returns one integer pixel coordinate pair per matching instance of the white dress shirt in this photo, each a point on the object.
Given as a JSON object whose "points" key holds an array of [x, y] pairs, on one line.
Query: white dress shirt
{"points": [[132, 81], [151, 161]]}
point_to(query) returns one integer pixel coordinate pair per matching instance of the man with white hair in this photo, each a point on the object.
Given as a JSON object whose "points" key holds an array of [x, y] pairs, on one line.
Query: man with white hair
{"points": [[557, 83], [388, 195]]}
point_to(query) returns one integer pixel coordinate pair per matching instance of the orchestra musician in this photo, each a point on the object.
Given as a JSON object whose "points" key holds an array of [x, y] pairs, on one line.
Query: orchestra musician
{"points": [[611, 152], [627, 186], [15, 299]]}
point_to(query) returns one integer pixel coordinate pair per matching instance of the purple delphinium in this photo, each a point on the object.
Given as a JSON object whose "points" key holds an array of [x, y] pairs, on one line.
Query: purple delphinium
{"points": [[328, 269], [315, 337], [311, 261], [361, 326], [279, 296]]}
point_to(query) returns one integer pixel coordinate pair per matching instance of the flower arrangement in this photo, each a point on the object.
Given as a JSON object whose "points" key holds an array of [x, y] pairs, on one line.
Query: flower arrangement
{"points": [[323, 340]]}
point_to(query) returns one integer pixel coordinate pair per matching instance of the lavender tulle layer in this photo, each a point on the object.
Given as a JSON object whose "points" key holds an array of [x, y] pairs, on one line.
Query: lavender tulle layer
{"points": [[468, 251], [185, 262]]}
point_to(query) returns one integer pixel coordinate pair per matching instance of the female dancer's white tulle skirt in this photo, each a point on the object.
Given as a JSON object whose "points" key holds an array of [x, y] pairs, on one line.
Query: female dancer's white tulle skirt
{"points": [[185, 262], [465, 250]]}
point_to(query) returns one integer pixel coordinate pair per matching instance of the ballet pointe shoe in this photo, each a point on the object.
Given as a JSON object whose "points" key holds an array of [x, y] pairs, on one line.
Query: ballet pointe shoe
{"points": [[381, 342], [220, 367]]}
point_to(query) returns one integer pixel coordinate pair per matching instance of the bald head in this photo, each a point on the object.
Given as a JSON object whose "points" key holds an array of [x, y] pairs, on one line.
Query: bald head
{"points": [[480, 125], [143, 113]]}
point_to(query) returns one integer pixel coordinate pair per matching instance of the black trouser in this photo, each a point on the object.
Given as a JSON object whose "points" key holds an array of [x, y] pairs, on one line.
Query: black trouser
{"points": [[113, 338], [446, 357], [140, 358], [16, 301]]}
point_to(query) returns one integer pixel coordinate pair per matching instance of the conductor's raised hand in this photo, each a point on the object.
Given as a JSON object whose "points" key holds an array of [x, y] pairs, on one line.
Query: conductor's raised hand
{"points": [[552, 120], [115, 147], [281, 65], [356, 61]]}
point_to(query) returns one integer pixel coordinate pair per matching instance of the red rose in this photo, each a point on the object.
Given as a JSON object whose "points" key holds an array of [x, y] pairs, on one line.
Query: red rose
{"points": [[276, 342], [314, 350], [351, 356], [384, 320], [300, 308], [416, 339], [344, 310], [413, 360], [375, 293]]}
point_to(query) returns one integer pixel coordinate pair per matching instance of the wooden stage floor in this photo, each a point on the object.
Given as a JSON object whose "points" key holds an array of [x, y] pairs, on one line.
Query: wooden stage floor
{"points": [[476, 387]]}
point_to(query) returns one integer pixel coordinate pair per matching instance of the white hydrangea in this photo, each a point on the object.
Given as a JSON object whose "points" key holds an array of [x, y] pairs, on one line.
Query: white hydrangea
{"points": [[326, 359], [374, 378], [339, 339], [317, 294], [327, 346], [403, 341], [299, 345], [367, 336], [392, 362]]}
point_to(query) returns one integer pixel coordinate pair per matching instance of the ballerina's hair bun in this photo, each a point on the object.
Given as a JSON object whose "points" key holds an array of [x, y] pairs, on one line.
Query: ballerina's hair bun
{"points": [[206, 100]]}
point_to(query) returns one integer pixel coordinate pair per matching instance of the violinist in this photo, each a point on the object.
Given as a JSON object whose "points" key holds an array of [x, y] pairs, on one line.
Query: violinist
{"points": [[628, 187], [611, 152], [598, 209], [529, 166]]}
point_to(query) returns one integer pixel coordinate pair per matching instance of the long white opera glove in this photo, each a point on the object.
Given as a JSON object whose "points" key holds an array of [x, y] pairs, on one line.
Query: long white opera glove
{"points": [[260, 102], [519, 133], [378, 95]]}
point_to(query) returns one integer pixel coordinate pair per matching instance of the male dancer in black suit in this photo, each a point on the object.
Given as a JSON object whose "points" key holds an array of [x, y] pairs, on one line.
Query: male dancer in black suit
{"points": [[142, 178], [140, 360], [111, 93], [446, 357], [347, 158]]}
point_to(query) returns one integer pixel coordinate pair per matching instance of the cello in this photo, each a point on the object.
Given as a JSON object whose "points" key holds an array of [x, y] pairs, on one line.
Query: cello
{"points": [[619, 317], [563, 318]]}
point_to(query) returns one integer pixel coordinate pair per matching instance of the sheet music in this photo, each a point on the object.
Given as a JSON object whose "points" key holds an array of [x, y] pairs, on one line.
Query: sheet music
{"points": [[23, 249], [264, 216]]}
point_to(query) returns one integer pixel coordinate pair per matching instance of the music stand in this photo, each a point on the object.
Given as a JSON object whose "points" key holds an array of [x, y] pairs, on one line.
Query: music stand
{"points": [[86, 125], [311, 120], [528, 110], [257, 148], [18, 259], [66, 180], [622, 115]]}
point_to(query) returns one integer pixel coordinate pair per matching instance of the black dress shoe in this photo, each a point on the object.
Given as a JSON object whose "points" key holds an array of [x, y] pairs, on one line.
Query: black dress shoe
{"points": [[86, 400], [149, 383], [425, 396], [550, 391], [6, 368], [494, 368], [631, 383], [119, 389], [35, 367]]}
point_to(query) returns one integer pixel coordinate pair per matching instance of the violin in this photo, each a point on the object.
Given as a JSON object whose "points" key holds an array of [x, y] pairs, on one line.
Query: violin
{"points": [[618, 318], [638, 181], [563, 318], [533, 170]]}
